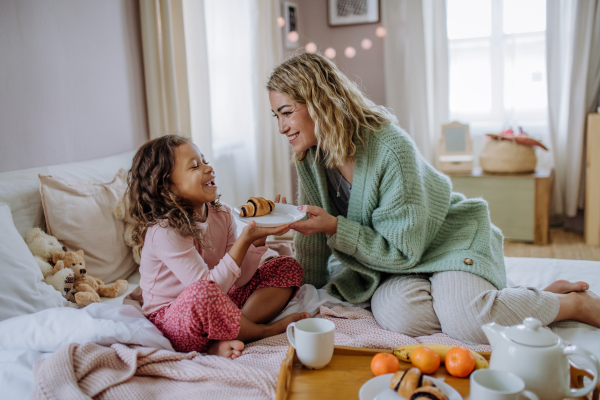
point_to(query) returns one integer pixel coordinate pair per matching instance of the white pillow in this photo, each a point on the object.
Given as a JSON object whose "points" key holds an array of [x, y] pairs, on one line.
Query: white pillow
{"points": [[22, 290], [21, 189], [81, 216]]}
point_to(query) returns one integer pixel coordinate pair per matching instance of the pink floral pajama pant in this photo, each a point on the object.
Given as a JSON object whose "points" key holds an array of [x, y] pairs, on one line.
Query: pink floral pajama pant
{"points": [[202, 313]]}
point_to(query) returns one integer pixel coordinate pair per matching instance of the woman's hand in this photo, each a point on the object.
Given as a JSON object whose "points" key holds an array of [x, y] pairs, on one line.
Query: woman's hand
{"points": [[257, 235], [319, 220]]}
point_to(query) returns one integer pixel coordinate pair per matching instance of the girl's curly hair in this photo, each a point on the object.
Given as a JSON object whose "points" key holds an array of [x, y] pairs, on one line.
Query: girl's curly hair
{"points": [[337, 106], [149, 197]]}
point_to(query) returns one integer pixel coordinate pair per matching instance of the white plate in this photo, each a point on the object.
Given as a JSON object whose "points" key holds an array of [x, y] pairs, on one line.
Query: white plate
{"points": [[378, 388], [281, 215]]}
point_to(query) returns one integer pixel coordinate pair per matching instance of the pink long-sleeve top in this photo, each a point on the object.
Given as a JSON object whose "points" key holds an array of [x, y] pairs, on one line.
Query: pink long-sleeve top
{"points": [[171, 262]]}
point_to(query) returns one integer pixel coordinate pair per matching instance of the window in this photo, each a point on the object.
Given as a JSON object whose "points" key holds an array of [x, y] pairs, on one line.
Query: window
{"points": [[228, 38], [497, 58]]}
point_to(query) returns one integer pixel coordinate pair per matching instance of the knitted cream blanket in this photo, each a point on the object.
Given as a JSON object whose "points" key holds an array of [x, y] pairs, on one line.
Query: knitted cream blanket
{"points": [[133, 372]]}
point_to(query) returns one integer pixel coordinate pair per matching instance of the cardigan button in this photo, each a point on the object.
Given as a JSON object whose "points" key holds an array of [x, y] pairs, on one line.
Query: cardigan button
{"points": [[468, 261]]}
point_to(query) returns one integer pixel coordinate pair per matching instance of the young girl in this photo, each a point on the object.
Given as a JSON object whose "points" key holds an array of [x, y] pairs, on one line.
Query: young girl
{"points": [[201, 286]]}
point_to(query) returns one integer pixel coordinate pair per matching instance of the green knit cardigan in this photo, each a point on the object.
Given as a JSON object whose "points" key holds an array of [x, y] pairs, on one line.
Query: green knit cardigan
{"points": [[403, 218]]}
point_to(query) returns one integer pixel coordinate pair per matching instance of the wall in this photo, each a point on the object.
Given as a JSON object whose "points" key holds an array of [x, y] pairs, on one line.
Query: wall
{"points": [[71, 80], [366, 68]]}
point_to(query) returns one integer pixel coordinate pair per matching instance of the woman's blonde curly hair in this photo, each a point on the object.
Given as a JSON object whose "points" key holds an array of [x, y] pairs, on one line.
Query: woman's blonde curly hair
{"points": [[336, 105]]}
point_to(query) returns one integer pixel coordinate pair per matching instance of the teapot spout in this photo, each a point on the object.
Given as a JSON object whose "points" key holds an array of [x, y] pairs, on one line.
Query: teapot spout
{"points": [[493, 331]]}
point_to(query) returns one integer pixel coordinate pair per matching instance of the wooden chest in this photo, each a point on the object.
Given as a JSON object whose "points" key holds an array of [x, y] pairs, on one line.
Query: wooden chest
{"points": [[519, 203]]}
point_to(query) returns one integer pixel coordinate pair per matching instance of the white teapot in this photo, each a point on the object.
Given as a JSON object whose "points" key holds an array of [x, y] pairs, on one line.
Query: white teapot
{"points": [[537, 356]]}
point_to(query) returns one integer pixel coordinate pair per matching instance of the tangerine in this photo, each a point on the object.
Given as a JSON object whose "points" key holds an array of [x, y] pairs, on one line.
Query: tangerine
{"points": [[459, 362], [384, 363], [427, 360]]}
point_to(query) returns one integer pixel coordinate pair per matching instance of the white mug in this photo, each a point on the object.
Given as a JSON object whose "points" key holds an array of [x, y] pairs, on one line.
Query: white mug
{"points": [[490, 384], [313, 341]]}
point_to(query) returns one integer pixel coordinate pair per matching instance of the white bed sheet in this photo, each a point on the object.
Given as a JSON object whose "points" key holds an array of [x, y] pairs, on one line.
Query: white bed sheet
{"points": [[23, 340]]}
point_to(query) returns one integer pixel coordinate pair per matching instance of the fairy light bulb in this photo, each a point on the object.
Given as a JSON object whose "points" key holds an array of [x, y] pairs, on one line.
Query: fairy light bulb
{"points": [[350, 52], [381, 31], [293, 36], [280, 22], [366, 44], [311, 47], [330, 53]]}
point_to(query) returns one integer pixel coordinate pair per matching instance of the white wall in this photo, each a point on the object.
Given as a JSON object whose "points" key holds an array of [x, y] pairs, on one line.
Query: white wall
{"points": [[71, 81], [366, 68]]}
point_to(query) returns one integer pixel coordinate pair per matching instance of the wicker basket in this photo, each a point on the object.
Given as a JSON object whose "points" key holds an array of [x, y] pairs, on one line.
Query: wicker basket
{"points": [[507, 157]]}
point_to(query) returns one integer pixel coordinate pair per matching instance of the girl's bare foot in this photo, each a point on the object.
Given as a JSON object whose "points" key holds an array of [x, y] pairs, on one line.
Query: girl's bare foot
{"points": [[564, 287], [226, 348], [280, 326]]}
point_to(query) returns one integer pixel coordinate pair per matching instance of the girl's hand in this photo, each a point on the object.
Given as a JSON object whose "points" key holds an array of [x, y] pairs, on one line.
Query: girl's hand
{"points": [[257, 235], [279, 199], [319, 220]]}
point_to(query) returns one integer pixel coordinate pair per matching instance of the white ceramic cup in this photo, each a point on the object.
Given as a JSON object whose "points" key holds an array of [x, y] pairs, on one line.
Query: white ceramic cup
{"points": [[313, 341], [490, 384]]}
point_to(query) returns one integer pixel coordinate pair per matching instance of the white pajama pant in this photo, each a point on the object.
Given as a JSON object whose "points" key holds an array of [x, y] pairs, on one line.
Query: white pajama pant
{"points": [[457, 304]]}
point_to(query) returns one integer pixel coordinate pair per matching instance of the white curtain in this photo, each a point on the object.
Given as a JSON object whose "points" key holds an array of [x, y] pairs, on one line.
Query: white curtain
{"points": [[573, 63], [416, 68], [243, 46], [273, 152], [174, 44]]}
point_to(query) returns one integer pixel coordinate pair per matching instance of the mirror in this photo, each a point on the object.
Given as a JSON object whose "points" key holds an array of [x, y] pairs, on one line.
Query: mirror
{"points": [[456, 140]]}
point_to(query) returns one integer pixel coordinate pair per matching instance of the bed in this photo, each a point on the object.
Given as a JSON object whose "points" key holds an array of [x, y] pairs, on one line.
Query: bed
{"points": [[48, 327]]}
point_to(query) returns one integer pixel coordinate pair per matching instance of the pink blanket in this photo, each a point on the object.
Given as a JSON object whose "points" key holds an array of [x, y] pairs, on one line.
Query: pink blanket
{"points": [[134, 372]]}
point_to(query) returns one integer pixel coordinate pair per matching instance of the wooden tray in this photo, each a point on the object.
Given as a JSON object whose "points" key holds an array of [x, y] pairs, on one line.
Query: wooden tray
{"points": [[350, 368]]}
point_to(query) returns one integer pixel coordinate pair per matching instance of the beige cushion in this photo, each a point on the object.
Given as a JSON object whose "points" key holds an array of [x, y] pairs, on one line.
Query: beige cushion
{"points": [[81, 216]]}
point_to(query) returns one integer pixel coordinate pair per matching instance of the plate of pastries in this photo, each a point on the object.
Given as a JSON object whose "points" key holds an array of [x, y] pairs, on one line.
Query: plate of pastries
{"points": [[410, 385], [266, 213]]}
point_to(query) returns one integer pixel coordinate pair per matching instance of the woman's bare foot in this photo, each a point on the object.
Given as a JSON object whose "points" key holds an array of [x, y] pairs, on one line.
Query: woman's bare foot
{"points": [[579, 306], [226, 348], [589, 309], [280, 326], [564, 287]]}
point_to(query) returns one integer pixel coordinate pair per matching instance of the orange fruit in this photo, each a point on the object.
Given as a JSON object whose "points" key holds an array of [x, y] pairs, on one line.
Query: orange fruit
{"points": [[427, 360], [459, 362], [384, 363]]}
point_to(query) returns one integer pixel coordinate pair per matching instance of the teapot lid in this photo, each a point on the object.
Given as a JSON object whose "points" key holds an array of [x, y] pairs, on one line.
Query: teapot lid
{"points": [[530, 334]]}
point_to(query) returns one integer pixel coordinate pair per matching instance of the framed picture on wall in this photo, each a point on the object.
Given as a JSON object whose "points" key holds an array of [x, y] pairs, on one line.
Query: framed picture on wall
{"points": [[290, 12], [351, 12]]}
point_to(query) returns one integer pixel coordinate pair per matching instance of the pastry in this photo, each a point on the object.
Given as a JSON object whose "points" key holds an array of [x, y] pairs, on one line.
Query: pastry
{"points": [[406, 382], [256, 207], [428, 393]]}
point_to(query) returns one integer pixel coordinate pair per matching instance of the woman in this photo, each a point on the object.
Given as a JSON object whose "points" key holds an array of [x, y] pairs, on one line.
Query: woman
{"points": [[429, 259]]}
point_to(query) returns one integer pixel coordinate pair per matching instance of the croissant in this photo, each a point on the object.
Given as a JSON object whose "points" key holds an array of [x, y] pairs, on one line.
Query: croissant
{"points": [[256, 207]]}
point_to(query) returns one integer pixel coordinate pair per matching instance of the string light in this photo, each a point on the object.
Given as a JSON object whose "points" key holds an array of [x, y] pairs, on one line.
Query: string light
{"points": [[381, 31], [311, 47], [366, 44], [350, 52], [280, 22], [330, 53], [293, 36]]}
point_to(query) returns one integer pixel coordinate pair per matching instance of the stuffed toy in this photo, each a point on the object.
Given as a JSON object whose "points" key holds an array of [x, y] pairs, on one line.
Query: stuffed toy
{"points": [[61, 280], [86, 289], [121, 212], [43, 247]]}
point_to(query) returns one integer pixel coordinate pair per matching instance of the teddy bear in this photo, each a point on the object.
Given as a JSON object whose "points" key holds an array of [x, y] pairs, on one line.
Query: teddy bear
{"points": [[122, 213], [43, 247], [86, 289], [61, 280]]}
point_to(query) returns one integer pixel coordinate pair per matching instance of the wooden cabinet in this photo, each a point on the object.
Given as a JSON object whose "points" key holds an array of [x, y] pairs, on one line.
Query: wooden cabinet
{"points": [[519, 204], [592, 182]]}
